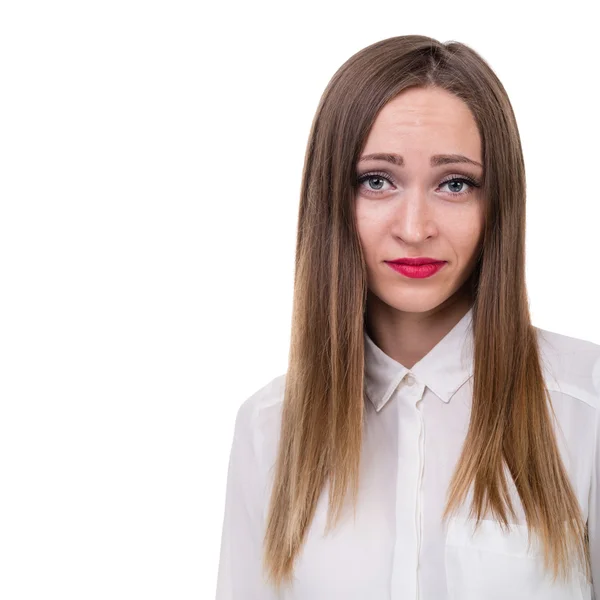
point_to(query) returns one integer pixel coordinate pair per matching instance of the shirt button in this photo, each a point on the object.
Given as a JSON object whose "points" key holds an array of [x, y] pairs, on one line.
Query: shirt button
{"points": [[410, 380]]}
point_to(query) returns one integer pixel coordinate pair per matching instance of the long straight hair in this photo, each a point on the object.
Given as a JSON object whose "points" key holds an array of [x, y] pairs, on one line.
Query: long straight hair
{"points": [[322, 414]]}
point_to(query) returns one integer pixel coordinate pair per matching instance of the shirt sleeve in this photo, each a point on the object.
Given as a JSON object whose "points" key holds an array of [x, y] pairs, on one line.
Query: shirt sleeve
{"points": [[594, 505], [240, 574]]}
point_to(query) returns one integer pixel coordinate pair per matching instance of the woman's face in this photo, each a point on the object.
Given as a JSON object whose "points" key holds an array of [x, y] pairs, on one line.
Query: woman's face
{"points": [[420, 207]]}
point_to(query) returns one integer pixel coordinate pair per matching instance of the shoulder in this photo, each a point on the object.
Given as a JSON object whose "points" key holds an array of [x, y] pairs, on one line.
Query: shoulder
{"points": [[264, 401], [571, 365]]}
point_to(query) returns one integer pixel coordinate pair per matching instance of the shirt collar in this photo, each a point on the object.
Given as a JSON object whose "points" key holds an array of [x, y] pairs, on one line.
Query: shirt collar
{"points": [[444, 369]]}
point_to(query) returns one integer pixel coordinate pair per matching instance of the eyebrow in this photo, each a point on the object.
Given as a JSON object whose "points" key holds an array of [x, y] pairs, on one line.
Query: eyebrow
{"points": [[436, 160]]}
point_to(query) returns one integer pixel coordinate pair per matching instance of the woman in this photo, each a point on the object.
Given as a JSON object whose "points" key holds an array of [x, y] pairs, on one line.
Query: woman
{"points": [[468, 438]]}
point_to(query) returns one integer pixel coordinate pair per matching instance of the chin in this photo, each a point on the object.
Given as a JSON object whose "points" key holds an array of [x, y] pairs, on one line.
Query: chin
{"points": [[418, 303], [416, 297]]}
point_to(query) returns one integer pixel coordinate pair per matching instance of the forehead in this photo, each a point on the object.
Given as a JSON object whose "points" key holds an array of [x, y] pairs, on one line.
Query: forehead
{"points": [[429, 120]]}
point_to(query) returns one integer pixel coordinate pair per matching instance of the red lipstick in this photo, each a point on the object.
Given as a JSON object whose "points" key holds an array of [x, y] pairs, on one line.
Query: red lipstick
{"points": [[417, 268]]}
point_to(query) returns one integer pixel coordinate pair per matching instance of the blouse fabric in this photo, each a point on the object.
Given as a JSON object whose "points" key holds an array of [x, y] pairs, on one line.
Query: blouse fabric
{"points": [[397, 547]]}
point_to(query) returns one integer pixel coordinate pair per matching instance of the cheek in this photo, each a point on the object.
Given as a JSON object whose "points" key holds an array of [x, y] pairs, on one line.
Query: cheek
{"points": [[466, 238], [369, 231], [467, 234]]}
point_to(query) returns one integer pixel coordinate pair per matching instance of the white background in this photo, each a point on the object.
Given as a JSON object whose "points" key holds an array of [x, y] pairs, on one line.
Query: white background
{"points": [[151, 155]]}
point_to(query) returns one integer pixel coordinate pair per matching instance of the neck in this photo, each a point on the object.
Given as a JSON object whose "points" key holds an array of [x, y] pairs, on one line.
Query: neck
{"points": [[408, 336]]}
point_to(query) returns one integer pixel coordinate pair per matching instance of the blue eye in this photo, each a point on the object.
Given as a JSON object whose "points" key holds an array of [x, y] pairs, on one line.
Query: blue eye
{"points": [[375, 176], [384, 177], [461, 181]]}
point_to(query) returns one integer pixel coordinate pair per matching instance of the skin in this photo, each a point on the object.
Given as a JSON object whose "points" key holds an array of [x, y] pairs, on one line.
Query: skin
{"points": [[418, 214]]}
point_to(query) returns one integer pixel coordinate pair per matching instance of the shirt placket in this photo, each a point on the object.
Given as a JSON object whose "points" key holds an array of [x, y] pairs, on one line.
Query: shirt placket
{"points": [[409, 481]]}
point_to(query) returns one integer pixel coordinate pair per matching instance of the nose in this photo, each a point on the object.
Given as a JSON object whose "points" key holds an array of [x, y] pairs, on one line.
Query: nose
{"points": [[413, 221]]}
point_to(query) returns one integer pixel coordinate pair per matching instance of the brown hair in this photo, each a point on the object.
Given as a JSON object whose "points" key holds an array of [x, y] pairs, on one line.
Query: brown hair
{"points": [[322, 413]]}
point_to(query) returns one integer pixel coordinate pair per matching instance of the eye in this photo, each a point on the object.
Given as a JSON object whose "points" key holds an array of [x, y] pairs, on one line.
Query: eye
{"points": [[454, 180], [379, 178], [376, 183]]}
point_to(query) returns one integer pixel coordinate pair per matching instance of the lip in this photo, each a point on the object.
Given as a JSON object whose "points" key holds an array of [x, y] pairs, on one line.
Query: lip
{"points": [[417, 271], [419, 260]]}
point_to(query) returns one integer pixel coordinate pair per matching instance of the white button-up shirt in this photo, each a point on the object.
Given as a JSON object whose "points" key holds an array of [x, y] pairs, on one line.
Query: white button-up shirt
{"points": [[398, 548]]}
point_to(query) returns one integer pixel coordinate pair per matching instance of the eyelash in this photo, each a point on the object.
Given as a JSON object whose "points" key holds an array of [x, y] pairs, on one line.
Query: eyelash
{"points": [[463, 178]]}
